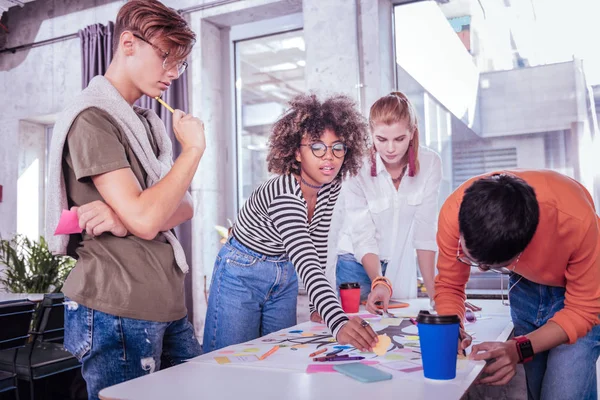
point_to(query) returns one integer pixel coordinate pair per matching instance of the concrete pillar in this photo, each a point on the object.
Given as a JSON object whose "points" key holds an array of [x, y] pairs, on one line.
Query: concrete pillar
{"points": [[351, 53], [208, 188], [377, 51], [330, 35]]}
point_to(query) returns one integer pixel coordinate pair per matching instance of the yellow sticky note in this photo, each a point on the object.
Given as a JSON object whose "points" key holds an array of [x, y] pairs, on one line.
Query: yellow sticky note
{"points": [[393, 356], [411, 337], [252, 350], [390, 321], [382, 345], [222, 360]]}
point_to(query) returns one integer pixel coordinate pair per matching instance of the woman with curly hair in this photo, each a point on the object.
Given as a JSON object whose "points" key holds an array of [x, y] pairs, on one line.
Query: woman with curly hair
{"points": [[282, 230]]}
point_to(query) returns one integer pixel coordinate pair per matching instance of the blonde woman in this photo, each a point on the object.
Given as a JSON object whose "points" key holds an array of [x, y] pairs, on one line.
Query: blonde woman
{"points": [[389, 209]]}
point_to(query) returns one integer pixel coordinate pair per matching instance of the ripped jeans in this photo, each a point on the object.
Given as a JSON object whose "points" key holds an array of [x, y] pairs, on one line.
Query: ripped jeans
{"points": [[114, 349]]}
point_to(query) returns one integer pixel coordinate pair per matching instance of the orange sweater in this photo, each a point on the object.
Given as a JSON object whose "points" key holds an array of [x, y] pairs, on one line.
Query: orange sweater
{"points": [[565, 250]]}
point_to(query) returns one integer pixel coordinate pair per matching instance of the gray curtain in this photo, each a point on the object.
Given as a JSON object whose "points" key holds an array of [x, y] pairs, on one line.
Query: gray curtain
{"points": [[97, 52], [177, 97]]}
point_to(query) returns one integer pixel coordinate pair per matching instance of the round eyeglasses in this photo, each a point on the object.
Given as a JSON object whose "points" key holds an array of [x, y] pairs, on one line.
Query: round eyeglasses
{"points": [[167, 63], [499, 269], [319, 149]]}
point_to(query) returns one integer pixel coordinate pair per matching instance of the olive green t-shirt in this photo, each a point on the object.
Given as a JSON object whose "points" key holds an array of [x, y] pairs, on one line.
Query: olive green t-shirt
{"points": [[128, 277]]}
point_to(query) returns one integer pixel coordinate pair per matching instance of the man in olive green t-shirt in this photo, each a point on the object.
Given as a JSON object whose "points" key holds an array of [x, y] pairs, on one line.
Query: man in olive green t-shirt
{"points": [[125, 297]]}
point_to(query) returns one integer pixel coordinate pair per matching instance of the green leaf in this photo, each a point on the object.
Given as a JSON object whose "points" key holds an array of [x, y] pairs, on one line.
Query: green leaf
{"points": [[30, 267]]}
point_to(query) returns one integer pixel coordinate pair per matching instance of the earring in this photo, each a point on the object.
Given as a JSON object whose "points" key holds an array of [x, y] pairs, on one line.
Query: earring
{"points": [[411, 159], [373, 163]]}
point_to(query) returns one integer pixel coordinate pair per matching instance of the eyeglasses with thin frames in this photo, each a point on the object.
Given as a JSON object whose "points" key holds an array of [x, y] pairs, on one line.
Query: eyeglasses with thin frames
{"points": [[167, 64], [319, 149], [502, 270]]}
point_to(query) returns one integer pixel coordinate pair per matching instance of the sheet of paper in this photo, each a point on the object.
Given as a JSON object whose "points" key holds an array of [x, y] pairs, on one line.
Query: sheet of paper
{"points": [[68, 223], [411, 330], [236, 359], [403, 366]]}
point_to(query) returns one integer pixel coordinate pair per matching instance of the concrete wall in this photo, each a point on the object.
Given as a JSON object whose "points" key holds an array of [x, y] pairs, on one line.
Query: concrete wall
{"points": [[31, 183], [38, 82], [537, 99]]}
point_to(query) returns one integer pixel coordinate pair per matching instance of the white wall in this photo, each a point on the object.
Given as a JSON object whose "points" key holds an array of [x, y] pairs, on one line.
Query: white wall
{"points": [[39, 81], [527, 100], [31, 181]]}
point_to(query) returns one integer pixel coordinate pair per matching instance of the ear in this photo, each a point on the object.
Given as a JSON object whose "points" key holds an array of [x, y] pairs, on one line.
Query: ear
{"points": [[298, 156], [126, 43]]}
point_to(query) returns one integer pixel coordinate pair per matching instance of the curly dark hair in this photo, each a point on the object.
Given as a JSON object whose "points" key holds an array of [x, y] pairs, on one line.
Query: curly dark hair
{"points": [[309, 116]]}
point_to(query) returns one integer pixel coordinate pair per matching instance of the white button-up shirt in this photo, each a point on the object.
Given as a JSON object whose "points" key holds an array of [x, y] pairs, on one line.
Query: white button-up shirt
{"points": [[376, 218]]}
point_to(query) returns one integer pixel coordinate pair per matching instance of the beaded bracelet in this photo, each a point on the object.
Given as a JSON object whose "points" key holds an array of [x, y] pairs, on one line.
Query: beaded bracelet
{"points": [[382, 280]]}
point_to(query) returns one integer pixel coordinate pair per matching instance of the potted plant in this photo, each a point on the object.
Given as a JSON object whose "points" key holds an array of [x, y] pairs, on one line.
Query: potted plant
{"points": [[30, 267]]}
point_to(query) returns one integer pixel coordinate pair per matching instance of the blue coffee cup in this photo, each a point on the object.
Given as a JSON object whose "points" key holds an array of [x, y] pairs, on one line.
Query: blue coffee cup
{"points": [[439, 344]]}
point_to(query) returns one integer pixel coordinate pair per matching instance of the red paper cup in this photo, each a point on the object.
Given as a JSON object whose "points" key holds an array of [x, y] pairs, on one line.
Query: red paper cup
{"points": [[350, 296]]}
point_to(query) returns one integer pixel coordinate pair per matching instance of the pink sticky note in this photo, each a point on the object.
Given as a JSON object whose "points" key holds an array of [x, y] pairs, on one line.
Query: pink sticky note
{"points": [[68, 223], [318, 368]]}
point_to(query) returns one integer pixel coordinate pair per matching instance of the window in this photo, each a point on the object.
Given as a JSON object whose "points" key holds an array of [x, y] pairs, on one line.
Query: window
{"points": [[34, 143], [502, 85], [269, 72]]}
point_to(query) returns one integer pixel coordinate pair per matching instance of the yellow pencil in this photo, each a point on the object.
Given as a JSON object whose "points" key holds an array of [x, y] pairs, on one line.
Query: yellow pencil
{"points": [[168, 107], [268, 353]]}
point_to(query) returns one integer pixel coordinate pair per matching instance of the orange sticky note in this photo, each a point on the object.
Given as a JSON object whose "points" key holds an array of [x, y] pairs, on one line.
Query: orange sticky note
{"points": [[382, 345]]}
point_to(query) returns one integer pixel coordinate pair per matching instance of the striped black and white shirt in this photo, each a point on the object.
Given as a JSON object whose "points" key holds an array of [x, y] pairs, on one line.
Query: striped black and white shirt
{"points": [[274, 221]]}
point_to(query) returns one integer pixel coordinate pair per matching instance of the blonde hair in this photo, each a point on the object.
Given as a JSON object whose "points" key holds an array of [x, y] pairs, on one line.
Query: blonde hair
{"points": [[393, 108]]}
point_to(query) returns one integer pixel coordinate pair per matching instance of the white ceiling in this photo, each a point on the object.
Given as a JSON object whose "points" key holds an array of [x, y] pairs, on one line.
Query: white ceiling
{"points": [[271, 68], [6, 4]]}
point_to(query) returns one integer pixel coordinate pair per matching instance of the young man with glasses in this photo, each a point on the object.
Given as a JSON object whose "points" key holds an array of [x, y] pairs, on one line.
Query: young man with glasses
{"points": [[282, 230], [125, 297], [540, 227]]}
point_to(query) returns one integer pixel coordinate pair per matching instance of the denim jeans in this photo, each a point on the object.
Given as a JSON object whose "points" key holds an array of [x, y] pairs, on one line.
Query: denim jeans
{"points": [[114, 349], [565, 372], [350, 270], [251, 295]]}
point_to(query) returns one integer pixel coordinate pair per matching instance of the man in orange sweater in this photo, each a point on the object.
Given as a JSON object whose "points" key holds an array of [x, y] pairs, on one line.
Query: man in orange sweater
{"points": [[541, 228]]}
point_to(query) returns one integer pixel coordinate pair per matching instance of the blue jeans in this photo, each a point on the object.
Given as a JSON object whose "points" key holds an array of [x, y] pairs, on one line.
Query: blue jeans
{"points": [[350, 270], [251, 295], [564, 372], [114, 349]]}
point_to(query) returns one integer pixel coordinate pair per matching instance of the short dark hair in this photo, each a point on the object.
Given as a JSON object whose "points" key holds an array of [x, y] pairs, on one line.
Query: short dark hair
{"points": [[498, 217], [307, 115]]}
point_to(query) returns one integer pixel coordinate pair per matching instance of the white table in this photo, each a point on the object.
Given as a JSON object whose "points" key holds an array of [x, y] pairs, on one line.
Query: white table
{"points": [[200, 378], [35, 297]]}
